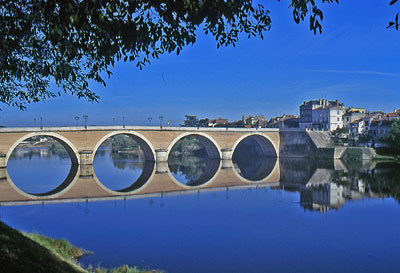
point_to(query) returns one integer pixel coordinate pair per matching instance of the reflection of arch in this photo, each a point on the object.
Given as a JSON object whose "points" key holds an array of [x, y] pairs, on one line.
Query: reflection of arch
{"points": [[210, 145], [143, 142], [146, 175], [59, 190], [209, 175], [258, 170], [267, 146], [68, 146]]}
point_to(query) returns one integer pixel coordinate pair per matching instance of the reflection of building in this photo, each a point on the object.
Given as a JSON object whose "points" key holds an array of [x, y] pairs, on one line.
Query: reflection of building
{"points": [[322, 197], [327, 189]]}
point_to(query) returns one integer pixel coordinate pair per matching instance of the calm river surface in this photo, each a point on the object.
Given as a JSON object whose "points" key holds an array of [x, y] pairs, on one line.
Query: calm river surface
{"points": [[319, 216]]}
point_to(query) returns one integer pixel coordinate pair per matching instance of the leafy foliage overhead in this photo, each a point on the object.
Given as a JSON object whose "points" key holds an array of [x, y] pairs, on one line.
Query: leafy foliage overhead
{"points": [[62, 45], [395, 23]]}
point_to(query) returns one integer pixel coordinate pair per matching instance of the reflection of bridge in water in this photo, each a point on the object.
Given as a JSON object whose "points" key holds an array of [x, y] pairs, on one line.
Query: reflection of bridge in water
{"points": [[156, 179], [315, 184]]}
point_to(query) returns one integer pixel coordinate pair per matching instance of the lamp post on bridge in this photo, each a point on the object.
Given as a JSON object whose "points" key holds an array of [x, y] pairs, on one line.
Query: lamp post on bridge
{"points": [[41, 123], [149, 118], [76, 119], [161, 119], [85, 117], [123, 121], [34, 122], [113, 121]]}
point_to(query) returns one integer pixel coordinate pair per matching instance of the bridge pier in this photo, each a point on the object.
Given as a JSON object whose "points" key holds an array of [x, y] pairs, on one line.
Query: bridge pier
{"points": [[85, 171], [161, 155], [162, 167], [3, 161], [86, 157], [226, 164], [226, 154], [3, 173]]}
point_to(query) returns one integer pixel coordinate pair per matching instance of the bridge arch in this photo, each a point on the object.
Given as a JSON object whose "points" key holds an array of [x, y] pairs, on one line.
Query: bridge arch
{"points": [[68, 146], [268, 146], [149, 165], [212, 148], [146, 146], [262, 168]]}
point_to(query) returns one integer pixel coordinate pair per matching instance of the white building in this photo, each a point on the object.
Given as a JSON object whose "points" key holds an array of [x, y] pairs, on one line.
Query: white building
{"points": [[321, 114], [328, 118]]}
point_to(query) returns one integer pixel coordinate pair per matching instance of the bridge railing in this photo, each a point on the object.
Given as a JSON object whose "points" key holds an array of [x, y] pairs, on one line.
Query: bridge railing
{"points": [[135, 128]]}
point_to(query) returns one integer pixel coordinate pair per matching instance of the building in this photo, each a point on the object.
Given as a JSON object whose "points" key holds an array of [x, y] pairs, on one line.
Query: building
{"points": [[258, 121], [392, 116], [364, 125], [284, 121], [350, 116], [352, 109], [379, 130], [321, 114]]}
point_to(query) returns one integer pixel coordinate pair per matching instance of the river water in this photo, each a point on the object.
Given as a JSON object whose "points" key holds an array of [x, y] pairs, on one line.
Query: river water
{"points": [[317, 217]]}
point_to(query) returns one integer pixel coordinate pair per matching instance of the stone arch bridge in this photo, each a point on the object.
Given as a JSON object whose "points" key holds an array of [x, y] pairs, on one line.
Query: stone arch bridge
{"points": [[156, 143]]}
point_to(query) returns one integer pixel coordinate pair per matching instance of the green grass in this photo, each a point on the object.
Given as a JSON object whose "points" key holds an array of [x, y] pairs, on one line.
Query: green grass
{"points": [[19, 253], [60, 247], [122, 269], [32, 252]]}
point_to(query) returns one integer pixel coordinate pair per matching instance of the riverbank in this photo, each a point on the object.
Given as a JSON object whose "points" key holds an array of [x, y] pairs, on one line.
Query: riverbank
{"points": [[32, 252]]}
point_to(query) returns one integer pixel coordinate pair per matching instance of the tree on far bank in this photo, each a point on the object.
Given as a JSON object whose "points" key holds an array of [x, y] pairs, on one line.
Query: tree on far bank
{"points": [[394, 135], [49, 47], [190, 121]]}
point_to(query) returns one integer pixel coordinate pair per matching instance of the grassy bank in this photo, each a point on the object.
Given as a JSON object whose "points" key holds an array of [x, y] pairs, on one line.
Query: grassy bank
{"points": [[21, 252]]}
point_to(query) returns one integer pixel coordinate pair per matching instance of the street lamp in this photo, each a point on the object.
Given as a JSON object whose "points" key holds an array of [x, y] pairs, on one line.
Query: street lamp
{"points": [[123, 121], [85, 117], [149, 118], [113, 121], [41, 123], [34, 122], [76, 118], [161, 118]]}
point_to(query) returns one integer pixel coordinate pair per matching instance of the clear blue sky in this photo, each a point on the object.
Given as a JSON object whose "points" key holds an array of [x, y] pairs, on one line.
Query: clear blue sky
{"points": [[356, 60]]}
